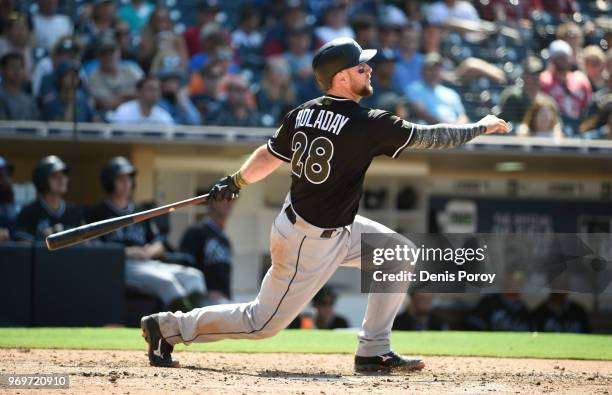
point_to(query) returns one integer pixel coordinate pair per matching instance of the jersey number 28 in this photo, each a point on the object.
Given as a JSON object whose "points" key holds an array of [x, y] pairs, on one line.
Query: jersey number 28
{"points": [[315, 166]]}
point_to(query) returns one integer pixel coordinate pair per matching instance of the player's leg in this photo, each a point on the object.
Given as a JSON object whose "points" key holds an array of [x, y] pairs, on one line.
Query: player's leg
{"points": [[300, 267], [151, 278], [191, 279], [375, 335]]}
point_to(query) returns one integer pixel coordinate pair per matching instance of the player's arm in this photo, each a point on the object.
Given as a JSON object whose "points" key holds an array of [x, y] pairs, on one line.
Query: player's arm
{"points": [[260, 164], [450, 136]]}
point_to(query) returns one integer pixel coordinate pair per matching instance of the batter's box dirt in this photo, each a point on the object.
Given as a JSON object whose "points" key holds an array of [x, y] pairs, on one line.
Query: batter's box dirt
{"points": [[127, 372]]}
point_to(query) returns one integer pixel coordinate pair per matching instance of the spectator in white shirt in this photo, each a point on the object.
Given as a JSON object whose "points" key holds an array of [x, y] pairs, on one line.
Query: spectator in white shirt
{"points": [[145, 109], [50, 26]]}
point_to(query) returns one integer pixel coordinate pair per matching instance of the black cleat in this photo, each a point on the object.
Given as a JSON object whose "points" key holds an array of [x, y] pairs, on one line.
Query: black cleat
{"points": [[387, 363], [159, 348]]}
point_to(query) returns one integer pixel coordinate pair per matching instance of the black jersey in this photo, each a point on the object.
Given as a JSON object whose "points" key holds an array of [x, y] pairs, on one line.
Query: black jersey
{"points": [[571, 317], [212, 251], [37, 220], [138, 234], [330, 143]]}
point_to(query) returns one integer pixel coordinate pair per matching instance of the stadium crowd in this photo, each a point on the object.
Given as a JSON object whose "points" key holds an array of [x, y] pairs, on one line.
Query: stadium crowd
{"points": [[542, 64]]}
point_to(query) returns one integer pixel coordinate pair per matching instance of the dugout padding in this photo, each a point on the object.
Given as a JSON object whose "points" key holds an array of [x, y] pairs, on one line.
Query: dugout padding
{"points": [[15, 292]]}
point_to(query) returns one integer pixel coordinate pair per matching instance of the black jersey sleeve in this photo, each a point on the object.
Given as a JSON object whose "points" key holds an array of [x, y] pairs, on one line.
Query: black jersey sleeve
{"points": [[390, 134], [191, 243], [279, 144]]}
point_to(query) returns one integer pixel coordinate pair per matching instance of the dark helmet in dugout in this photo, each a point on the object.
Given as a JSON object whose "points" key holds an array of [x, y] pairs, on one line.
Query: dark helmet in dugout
{"points": [[337, 55], [47, 166], [115, 167]]}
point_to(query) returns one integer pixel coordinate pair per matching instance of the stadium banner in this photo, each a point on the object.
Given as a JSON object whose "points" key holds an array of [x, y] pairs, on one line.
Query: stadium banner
{"points": [[486, 263]]}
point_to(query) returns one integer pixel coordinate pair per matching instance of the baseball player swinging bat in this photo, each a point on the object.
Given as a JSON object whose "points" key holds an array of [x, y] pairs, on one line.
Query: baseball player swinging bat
{"points": [[90, 231]]}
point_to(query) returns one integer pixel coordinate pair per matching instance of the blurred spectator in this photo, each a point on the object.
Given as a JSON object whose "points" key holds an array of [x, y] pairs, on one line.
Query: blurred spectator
{"points": [[418, 315], [599, 124], [238, 108], [66, 48], [541, 119], [205, 89], [326, 317], [366, 30], [206, 15], [394, 103], [275, 95], [114, 82], [175, 99], [15, 103], [299, 58], [454, 15], [432, 102], [558, 313], [335, 23], [101, 24], [122, 36], [389, 35], [145, 108], [247, 39], [159, 46], [7, 7], [179, 287], [17, 38], [410, 62], [594, 60], [572, 33], [136, 13], [61, 104], [214, 44], [211, 249], [502, 312], [293, 16], [49, 213], [570, 89], [383, 77], [516, 99], [505, 11], [8, 208], [559, 8], [49, 26]]}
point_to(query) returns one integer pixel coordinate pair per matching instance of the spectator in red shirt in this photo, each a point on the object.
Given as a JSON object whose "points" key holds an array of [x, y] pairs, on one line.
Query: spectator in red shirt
{"points": [[570, 89], [559, 7], [508, 10], [207, 13]]}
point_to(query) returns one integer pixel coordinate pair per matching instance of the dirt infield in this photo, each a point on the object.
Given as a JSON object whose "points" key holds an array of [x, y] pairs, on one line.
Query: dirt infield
{"points": [[127, 372]]}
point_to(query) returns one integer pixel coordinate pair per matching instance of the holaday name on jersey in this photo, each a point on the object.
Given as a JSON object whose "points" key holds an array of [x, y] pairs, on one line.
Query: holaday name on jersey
{"points": [[325, 120]]}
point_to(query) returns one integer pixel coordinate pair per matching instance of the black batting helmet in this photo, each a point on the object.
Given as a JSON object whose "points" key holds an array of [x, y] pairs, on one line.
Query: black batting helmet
{"points": [[47, 166], [337, 55], [115, 167]]}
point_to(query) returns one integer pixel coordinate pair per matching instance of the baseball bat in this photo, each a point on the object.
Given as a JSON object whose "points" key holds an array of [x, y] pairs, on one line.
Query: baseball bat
{"points": [[78, 235]]}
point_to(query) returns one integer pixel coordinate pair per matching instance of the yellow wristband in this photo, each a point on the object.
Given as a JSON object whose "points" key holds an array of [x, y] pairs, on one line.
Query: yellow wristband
{"points": [[239, 180]]}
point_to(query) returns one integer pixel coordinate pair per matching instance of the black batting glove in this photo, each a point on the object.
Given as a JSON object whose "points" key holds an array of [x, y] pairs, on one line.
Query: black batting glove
{"points": [[224, 190]]}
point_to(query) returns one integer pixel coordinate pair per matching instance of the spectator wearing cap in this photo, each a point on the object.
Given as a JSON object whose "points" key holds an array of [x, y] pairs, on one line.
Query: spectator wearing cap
{"points": [[49, 213], [101, 24], [8, 208], [570, 89], [594, 61], [383, 80], [114, 82], [205, 89], [433, 102], [207, 11], [541, 119], [214, 43], [238, 108], [299, 58], [366, 31], [159, 46], [145, 108], [67, 102], [324, 303], [419, 315], [516, 99], [335, 23], [66, 48], [136, 13], [293, 16], [275, 95], [572, 33], [49, 26], [15, 103], [410, 61], [452, 15], [17, 38], [175, 99], [247, 39]]}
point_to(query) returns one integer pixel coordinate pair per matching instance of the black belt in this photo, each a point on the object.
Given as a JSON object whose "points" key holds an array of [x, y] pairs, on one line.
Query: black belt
{"points": [[326, 234]]}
